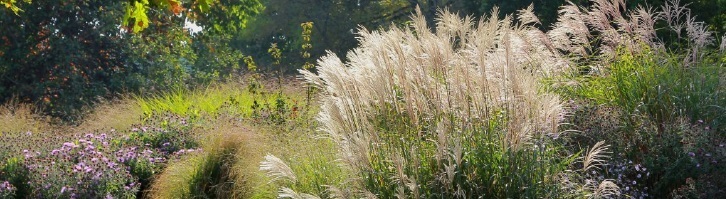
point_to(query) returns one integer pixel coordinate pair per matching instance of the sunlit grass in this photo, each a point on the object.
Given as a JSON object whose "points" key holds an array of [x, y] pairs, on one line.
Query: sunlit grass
{"points": [[118, 115], [208, 172], [235, 136], [232, 98], [15, 117]]}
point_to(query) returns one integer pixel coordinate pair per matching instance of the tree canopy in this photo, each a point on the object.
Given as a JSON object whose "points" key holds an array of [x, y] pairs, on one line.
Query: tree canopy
{"points": [[67, 54]]}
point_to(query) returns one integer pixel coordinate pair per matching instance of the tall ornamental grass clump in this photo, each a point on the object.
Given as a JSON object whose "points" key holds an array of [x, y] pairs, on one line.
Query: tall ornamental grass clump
{"points": [[455, 112], [205, 173]]}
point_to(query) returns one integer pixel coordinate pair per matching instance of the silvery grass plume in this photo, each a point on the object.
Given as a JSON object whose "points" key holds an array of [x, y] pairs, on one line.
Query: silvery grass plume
{"points": [[679, 18], [276, 169], [576, 27], [289, 193], [609, 25], [595, 158], [585, 181], [465, 69], [471, 71]]}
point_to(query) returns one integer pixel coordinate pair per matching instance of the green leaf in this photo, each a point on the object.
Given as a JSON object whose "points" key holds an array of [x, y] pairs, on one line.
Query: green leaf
{"points": [[204, 5], [141, 21]]}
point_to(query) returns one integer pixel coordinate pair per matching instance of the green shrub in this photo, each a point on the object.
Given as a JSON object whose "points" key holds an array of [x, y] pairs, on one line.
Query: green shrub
{"points": [[665, 114], [660, 86]]}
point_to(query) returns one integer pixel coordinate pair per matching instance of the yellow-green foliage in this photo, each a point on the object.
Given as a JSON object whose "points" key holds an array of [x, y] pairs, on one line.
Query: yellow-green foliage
{"points": [[660, 86], [210, 101], [227, 165]]}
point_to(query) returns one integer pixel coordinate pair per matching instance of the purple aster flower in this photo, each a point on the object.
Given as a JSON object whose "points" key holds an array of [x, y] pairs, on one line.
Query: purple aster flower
{"points": [[69, 145]]}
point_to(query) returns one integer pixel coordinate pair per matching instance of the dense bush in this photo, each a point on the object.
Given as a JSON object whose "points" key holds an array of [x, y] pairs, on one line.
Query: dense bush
{"points": [[65, 56], [661, 106], [44, 57], [668, 119]]}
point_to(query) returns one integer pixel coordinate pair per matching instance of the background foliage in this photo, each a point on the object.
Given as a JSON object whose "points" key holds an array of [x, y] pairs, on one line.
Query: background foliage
{"points": [[66, 55]]}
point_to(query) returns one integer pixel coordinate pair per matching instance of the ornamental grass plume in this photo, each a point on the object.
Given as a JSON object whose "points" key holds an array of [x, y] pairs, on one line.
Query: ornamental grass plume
{"points": [[275, 168], [410, 100], [458, 79]]}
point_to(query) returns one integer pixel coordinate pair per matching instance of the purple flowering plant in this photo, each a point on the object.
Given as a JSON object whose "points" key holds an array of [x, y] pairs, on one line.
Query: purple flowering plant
{"points": [[93, 165], [7, 190], [88, 167]]}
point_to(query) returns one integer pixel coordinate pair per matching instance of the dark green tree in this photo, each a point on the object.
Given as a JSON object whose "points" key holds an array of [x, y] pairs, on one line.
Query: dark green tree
{"points": [[62, 54], [65, 55]]}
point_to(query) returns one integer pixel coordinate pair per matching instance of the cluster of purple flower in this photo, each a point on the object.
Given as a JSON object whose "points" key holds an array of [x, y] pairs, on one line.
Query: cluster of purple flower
{"points": [[95, 165], [7, 190], [628, 175], [87, 167]]}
